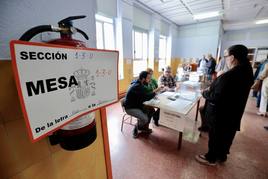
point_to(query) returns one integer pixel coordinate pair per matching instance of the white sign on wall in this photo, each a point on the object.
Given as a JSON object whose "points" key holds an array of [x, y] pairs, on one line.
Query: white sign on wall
{"points": [[58, 84]]}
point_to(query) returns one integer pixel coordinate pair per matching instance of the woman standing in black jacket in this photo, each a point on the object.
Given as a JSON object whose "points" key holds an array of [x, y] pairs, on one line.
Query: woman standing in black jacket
{"points": [[227, 98]]}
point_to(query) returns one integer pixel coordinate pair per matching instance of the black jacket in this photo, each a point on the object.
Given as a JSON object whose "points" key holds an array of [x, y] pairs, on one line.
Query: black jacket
{"points": [[136, 95], [227, 97]]}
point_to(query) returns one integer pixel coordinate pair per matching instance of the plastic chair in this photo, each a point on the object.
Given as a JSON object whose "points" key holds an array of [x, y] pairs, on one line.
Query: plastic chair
{"points": [[126, 117]]}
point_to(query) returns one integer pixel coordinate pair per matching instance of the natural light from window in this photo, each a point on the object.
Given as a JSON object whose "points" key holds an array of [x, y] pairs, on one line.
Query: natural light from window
{"points": [[105, 37], [105, 33], [140, 51], [162, 52]]}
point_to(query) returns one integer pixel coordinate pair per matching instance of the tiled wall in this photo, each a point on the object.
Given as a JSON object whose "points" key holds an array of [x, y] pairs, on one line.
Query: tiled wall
{"points": [[21, 159]]}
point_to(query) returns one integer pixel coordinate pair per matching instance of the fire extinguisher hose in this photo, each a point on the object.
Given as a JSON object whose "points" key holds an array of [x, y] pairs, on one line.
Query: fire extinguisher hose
{"points": [[27, 36]]}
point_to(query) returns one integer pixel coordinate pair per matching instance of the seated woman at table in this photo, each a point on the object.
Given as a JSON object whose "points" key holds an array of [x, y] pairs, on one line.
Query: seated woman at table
{"points": [[167, 80]]}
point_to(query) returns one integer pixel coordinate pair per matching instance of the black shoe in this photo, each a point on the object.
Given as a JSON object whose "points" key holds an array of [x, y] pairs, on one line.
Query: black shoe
{"points": [[135, 132], [222, 159], [266, 127], [147, 131], [202, 159]]}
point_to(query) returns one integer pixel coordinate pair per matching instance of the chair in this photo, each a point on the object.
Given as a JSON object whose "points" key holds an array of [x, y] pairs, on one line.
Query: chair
{"points": [[126, 116]]}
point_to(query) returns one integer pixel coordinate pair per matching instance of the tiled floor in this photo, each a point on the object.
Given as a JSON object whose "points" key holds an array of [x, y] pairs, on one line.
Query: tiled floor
{"points": [[156, 156]]}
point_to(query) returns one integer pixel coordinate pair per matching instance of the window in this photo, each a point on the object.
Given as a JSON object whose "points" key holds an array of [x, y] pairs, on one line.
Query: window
{"points": [[162, 52], [140, 51], [105, 32], [105, 38]]}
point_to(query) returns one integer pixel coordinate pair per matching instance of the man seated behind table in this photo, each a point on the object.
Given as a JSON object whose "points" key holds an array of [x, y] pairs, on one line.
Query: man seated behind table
{"points": [[135, 97], [167, 80]]}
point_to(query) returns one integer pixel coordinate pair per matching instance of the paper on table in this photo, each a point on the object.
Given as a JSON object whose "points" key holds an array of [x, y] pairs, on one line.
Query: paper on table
{"points": [[179, 105], [182, 104], [189, 95], [152, 102], [167, 93], [192, 83]]}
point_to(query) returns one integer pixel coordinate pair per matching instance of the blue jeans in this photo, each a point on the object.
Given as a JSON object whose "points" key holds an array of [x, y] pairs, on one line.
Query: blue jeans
{"points": [[258, 99], [143, 119]]}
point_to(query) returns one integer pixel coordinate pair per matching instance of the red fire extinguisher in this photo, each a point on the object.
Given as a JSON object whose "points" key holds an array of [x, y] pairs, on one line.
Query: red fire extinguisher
{"points": [[81, 132]]}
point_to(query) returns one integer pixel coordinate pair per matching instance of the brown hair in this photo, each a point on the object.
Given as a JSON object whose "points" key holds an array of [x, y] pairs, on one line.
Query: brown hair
{"points": [[149, 70]]}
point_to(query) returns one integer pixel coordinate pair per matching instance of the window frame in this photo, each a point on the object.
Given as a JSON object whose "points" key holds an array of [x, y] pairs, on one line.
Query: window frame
{"points": [[111, 21], [160, 58], [105, 20], [143, 58]]}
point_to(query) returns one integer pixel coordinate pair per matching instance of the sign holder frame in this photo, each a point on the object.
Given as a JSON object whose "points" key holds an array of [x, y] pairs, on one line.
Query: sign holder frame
{"points": [[17, 80]]}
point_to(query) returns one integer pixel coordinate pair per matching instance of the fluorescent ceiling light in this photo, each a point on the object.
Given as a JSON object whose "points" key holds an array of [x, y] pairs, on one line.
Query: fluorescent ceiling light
{"points": [[206, 15], [263, 21]]}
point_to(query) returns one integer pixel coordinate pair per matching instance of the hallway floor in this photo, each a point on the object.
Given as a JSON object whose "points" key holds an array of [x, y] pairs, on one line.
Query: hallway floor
{"points": [[156, 156]]}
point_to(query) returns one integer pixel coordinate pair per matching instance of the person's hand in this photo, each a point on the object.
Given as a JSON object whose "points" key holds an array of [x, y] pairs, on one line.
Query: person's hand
{"points": [[166, 88], [220, 73], [158, 89], [203, 90]]}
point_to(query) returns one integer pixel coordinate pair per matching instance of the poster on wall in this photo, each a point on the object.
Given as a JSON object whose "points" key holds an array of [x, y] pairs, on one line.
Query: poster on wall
{"points": [[58, 84]]}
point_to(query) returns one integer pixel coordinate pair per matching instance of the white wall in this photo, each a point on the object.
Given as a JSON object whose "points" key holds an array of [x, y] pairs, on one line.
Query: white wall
{"points": [[107, 8], [195, 40], [174, 35], [17, 16], [255, 37], [127, 38], [156, 43]]}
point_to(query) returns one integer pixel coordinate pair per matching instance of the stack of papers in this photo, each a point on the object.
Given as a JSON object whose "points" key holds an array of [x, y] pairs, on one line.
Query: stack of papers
{"points": [[180, 105]]}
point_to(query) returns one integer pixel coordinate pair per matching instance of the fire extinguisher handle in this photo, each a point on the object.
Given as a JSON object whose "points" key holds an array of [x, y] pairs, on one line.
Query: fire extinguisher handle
{"points": [[28, 35], [67, 22], [82, 32]]}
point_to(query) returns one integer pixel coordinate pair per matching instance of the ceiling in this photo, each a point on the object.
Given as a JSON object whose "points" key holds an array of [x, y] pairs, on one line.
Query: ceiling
{"points": [[236, 14]]}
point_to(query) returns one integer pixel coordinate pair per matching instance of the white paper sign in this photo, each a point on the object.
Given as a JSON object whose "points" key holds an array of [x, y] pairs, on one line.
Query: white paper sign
{"points": [[171, 120], [180, 123], [58, 84]]}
